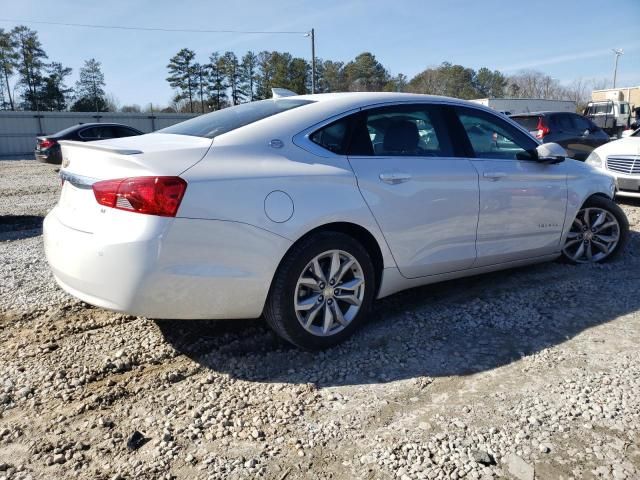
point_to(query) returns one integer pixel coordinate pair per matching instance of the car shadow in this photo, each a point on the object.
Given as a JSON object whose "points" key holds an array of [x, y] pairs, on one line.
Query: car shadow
{"points": [[17, 227], [457, 327]]}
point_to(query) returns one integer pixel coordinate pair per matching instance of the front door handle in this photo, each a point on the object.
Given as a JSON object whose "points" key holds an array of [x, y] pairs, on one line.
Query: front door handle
{"points": [[494, 176], [394, 178]]}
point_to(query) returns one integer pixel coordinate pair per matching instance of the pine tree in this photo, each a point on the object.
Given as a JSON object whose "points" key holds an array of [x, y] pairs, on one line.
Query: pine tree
{"points": [[54, 93], [90, 95], [216, 85], [249, 74], [182, 74], [30, 64], [232, 73], [264, 81], [8, 64]]}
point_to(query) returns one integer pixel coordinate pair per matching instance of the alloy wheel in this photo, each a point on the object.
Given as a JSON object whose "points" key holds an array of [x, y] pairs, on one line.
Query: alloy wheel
{"points": [[594, 234], [329, 293]]}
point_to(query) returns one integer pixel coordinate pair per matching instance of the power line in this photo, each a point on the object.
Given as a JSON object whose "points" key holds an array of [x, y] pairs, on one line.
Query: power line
{"points": [[150, 29]]}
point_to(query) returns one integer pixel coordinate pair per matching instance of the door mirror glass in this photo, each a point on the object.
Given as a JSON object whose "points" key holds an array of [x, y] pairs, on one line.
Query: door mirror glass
{"points": [[550, 153]]}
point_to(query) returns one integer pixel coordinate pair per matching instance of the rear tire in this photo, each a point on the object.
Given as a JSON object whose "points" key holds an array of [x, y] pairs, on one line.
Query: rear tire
{"points": [[322, 291], [598, 234]]}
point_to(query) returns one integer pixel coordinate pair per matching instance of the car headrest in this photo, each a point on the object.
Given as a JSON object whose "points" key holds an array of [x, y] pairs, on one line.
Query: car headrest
{"points": [[401, 136]]}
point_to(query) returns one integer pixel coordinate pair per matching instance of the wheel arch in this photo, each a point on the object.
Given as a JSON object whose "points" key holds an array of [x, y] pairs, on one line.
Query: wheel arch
{"points": [[357, 232]]}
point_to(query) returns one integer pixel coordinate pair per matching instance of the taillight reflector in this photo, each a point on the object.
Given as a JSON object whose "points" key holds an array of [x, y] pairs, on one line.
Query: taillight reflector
{"points": [[149, 195]]}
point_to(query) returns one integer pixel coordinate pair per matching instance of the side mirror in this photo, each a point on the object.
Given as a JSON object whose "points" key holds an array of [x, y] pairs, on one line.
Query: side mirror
{"points": [[550, 153]]}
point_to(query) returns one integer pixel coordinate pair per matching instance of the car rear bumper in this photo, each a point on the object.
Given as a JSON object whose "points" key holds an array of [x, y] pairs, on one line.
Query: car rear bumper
{"points": [[178, 268]]}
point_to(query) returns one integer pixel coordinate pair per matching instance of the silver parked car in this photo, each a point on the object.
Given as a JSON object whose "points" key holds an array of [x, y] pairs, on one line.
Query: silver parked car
{"points": [[308, 208]]}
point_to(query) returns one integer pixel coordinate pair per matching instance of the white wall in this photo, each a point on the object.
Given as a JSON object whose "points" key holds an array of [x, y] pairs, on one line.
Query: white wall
{"points": [[18, 130]]}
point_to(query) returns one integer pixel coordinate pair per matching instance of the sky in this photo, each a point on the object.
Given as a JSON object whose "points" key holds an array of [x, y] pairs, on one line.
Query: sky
{"points": [[567, 39]]}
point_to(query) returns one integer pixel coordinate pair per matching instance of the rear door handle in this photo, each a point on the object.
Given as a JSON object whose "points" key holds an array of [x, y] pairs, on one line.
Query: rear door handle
{"points": [[394, 178], [493, 176]]}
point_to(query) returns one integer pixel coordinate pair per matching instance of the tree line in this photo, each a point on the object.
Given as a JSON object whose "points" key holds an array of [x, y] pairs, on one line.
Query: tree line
{"points": [[42, 85], [224, 79]]}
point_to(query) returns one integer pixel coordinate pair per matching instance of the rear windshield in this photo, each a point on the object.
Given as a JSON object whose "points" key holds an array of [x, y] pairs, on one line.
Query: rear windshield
{"points": [[222, 121], [529, 123]]}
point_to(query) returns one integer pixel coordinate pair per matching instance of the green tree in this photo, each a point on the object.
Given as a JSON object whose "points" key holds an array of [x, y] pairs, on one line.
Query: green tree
{"points": [[398, 83], [8, 64], [331, 77], [249, 74], [90, 95], [489, 84], [216, 85], [54, 94], [232, 72], [30, 64], [264, 82], [365, 74], [200, 79], [299, 76], [182, 75]]}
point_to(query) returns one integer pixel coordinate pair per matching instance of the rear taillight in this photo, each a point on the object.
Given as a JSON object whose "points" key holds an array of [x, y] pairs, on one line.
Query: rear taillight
{"points": [[149, 195], [542, 129], [46, 143]]}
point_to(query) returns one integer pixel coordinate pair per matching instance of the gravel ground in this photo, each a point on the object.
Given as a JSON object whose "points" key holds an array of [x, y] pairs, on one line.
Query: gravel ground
{"points": [[523, 374]]}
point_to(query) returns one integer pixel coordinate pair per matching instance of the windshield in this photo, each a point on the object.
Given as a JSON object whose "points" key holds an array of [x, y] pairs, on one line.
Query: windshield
{"points": [[222, 121]]}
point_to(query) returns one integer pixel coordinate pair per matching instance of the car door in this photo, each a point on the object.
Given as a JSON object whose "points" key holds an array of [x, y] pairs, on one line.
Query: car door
{"points": [[424, 198], [590, 135], [564, 132], [522, 201]]}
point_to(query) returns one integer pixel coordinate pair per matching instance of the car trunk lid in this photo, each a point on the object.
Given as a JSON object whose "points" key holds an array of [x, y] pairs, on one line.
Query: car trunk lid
{"points": [[84, 163]]}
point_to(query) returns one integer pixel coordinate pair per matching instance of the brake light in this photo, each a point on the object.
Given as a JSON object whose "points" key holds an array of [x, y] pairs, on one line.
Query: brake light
{"points": [[46, 143], [542, 129], [149, 195]]}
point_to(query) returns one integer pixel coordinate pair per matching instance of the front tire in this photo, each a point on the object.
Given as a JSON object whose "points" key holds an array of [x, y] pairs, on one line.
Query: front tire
{"points": [[598, 233], [322, 291]]}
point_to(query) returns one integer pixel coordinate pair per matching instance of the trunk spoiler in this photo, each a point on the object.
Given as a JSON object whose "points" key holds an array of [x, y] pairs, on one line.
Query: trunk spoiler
{"points": [[102, 148]]}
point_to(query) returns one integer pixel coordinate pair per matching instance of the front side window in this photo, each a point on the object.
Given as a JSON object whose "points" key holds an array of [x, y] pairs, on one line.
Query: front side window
{"points": [[407, 131], [90, 133], [581, 124], [222, 121], [624, 108], [492, 137]]}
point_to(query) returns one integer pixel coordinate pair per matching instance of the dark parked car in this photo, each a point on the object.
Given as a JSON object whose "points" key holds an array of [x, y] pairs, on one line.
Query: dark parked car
{"points": [[48, 148], [577, 134]]}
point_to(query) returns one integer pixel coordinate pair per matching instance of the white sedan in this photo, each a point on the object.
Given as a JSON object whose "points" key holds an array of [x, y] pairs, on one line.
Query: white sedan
{"points": [[620, 158], [306, 209]]}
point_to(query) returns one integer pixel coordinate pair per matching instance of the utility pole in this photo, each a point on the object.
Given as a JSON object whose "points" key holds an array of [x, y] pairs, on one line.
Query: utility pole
{"points": [[617, 52], [312, 34]]}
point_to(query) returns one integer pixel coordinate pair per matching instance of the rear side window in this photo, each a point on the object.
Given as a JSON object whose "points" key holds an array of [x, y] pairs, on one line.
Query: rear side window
{"points": [[222, 121], [563, 121], [624, 108], [492, 137], [333, 137], [529, 123]]}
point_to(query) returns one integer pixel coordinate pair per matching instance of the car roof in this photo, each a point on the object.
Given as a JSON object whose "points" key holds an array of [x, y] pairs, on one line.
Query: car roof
{"points": [[74, 128], [544, 113], [359, 99]]}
